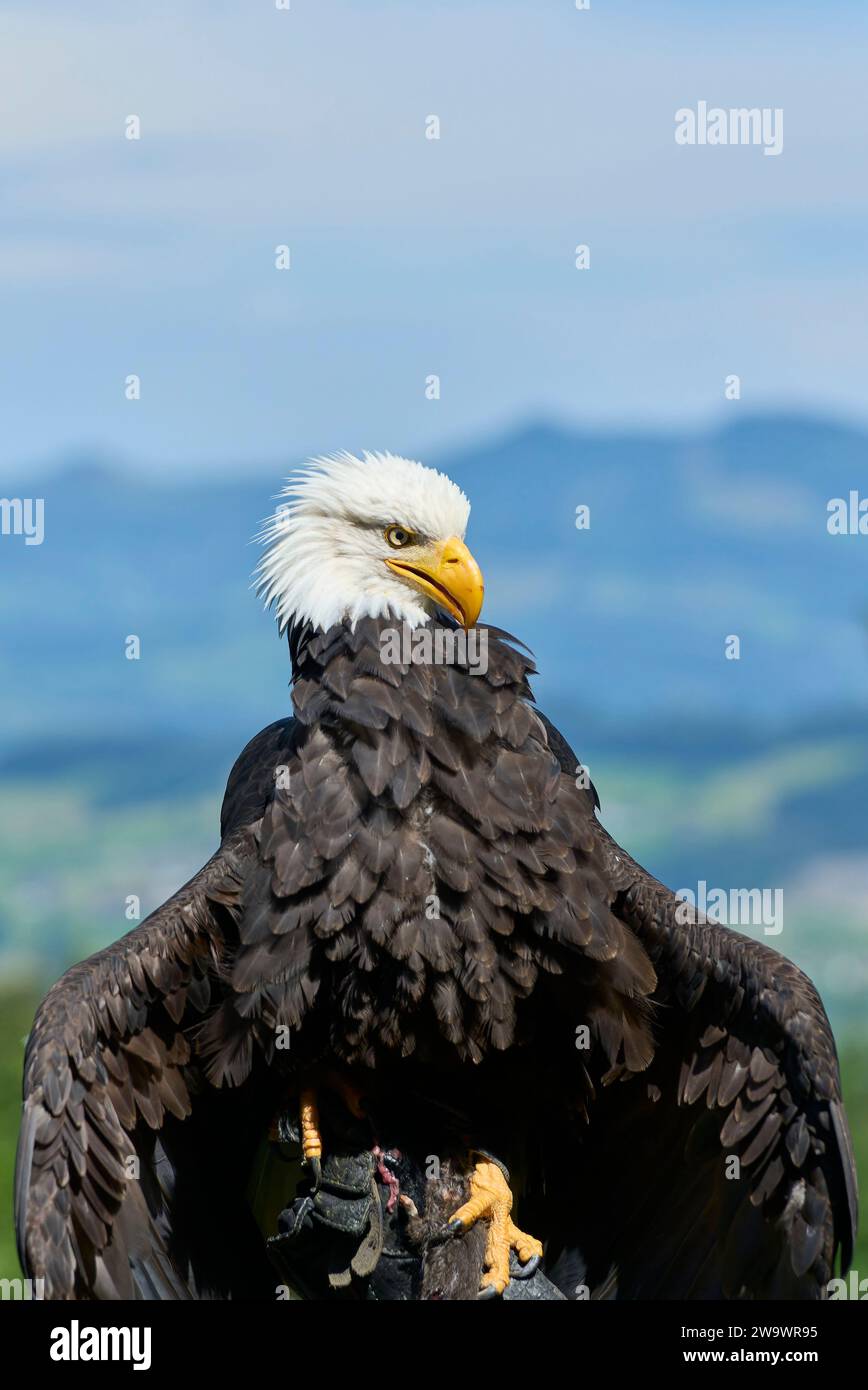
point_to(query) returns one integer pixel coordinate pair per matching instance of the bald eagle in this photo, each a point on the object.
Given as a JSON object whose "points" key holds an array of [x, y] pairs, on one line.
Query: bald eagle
{"points": [[420, 971]]}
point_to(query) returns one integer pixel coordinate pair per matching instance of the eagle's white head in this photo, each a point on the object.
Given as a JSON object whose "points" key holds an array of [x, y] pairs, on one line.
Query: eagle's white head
{"points": [[377, 536]]}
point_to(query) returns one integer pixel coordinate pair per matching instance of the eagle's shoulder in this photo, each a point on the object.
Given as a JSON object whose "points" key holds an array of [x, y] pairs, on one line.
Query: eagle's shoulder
{"points": [[253, 774]]}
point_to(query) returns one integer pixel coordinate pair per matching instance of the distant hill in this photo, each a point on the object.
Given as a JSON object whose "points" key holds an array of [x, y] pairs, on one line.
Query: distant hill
{"points": [[691, 540]]}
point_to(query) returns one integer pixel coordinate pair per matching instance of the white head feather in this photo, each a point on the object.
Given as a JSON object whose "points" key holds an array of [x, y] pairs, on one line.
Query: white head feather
{"points": [[326, 543]]}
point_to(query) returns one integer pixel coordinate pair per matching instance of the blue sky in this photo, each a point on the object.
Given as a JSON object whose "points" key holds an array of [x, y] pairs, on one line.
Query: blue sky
{"points": [[410, 256]]}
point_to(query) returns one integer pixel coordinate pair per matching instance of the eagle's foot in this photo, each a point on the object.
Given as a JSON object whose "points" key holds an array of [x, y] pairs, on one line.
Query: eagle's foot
{"points": [[311, 1139], [309, 1120], [490, 1198]]}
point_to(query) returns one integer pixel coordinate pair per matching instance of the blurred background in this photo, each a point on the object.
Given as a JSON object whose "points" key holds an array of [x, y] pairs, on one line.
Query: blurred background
{"points": [[432, 305]]}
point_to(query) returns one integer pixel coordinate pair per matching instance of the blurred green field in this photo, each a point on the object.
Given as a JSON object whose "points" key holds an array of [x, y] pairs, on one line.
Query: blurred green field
{"points": [[16, 1014]]}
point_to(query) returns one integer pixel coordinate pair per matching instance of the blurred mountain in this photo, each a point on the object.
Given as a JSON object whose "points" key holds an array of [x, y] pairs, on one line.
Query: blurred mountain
{"points": [[691, 540]]}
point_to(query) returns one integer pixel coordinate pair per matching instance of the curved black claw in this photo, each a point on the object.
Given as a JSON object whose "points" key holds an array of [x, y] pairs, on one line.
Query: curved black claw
{"points": [[516, 1271], [492, 1158], [447, 1232], [520, 1271]]}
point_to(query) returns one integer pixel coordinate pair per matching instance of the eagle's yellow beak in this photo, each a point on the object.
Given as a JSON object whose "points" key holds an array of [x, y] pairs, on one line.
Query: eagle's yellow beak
{"points": [[446, 572]]}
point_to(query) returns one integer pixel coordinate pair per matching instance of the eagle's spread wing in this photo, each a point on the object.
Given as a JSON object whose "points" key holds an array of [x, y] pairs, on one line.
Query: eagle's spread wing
{"points": [[745, 1068], [131, 1170]]}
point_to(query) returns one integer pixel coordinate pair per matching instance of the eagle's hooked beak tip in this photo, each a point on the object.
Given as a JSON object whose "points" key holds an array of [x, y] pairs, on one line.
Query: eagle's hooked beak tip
{"points": [[449, 574]]}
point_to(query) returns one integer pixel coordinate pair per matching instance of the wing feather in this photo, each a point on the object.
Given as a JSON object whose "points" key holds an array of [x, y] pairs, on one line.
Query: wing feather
{"points": [[745, 1069], [107, 1069]]}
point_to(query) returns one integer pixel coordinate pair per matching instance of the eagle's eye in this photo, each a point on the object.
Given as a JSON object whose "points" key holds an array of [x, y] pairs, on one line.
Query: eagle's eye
{"points": [[398, 537]]}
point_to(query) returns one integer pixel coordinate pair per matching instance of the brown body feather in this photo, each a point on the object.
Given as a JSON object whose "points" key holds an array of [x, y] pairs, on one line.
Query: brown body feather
{"points": [[403, 904]]}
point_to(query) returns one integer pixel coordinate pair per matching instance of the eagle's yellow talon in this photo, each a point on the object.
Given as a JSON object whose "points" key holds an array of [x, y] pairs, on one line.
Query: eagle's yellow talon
{"points": [[491, 1198], [525, 1246], [311, 1141]]}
